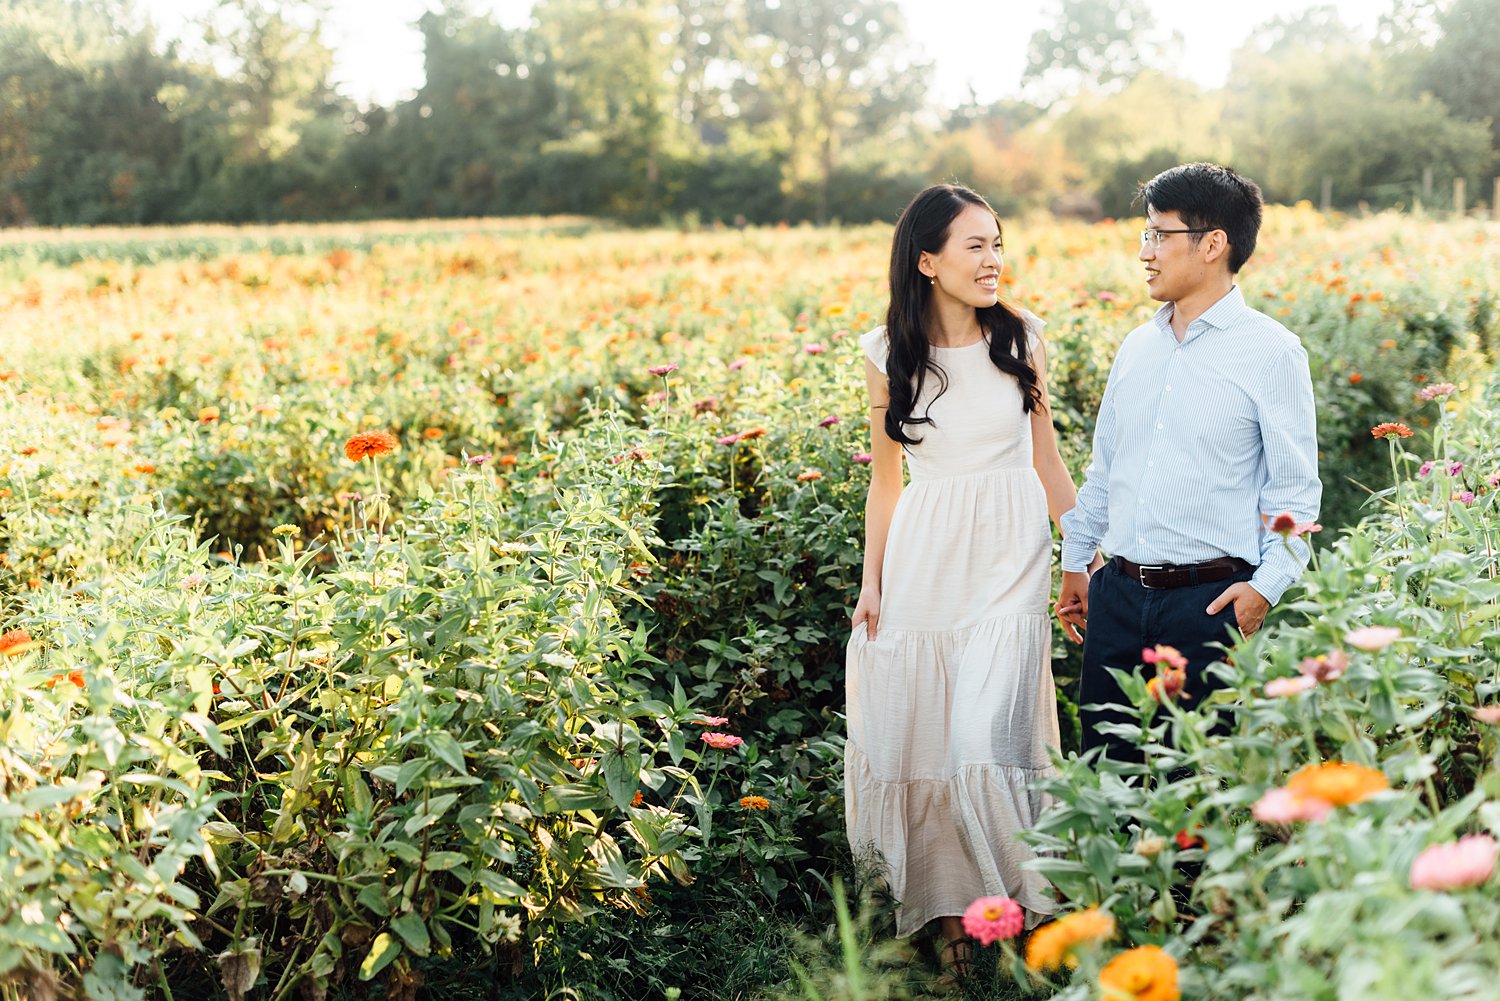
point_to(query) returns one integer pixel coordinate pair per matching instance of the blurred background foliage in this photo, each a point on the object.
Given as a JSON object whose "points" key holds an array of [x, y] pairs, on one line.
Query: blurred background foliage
{"points": [[740, 111]]}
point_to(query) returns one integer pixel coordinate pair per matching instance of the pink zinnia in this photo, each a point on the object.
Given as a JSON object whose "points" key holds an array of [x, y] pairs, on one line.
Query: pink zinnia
{"points": [[990, 919], [814, 349], [1454, 468], [479, 460], [662, 369], [1373, 638], [728, 439], [738, 364], [1305, 528], [1280, 687], [712, 721], [1325, 666], [1425, 468], [1493, 479], [1282, 806], [1162, 654], [1464, 496], [828, 421], [1469, 861], [722, 741], [1436, 392], [863, 458]]}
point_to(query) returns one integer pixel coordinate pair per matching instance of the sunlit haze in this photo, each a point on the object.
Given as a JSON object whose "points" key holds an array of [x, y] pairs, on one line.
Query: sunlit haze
{"points": [[972, 43]]}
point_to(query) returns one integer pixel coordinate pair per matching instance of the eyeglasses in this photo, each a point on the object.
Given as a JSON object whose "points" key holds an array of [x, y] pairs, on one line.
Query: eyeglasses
{"points": [[1154, 236]]}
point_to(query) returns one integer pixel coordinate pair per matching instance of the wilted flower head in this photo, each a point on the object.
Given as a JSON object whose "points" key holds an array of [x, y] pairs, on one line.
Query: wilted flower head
{"points": [[369, 443], [1464, 496], [1168, 683], [1454, 468], [809, 476], [990, 919], [1373, 638], [712, 721], [1325, 666], [1425, 469], [828, 421], [1469, 861]]}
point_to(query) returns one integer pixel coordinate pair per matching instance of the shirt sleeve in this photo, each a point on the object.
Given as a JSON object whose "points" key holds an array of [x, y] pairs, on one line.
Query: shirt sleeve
{"points": [[1289, 437], [1085, 525], [876, 347]]}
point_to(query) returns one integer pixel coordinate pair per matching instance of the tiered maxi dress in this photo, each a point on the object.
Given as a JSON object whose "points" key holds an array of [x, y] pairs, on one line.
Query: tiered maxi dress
{"points": [[951, 708]]}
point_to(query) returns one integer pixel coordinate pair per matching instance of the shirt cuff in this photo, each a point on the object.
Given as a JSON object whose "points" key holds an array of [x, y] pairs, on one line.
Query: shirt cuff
{"points": [[1271, 584], [1076, 556]]}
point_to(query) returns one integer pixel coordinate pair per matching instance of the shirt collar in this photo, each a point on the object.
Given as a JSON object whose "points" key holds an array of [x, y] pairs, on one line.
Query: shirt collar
{"points": [[1221, 314]]}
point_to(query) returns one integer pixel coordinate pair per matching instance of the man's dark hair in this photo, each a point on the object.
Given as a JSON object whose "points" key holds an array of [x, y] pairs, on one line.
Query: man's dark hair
{"points": [[1208, 196]]}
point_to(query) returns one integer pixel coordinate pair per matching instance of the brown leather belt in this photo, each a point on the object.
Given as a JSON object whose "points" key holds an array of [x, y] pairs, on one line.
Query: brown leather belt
{"points": [[1163, 576]]}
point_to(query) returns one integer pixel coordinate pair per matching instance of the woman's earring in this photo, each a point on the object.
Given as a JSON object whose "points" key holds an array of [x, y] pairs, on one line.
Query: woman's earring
{"points": [[932, 281]]}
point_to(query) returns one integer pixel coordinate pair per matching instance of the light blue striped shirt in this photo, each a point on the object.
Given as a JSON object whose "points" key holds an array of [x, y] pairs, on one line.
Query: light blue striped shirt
{"points": [[1196, 441]]}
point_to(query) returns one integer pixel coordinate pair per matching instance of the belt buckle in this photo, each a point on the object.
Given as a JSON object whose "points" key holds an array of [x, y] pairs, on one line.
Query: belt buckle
{"points": [[1141, 576]]}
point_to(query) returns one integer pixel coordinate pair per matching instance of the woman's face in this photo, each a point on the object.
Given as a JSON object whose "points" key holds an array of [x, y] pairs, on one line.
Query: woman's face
{"points": [[969, 265]]}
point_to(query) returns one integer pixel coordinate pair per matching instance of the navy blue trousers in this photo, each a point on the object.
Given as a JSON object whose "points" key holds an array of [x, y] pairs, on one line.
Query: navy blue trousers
{"points": [[1125, 617]]}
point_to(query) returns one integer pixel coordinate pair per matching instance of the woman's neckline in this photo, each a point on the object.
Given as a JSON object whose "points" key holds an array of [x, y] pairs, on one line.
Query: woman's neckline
{"points": [[961, 347]]}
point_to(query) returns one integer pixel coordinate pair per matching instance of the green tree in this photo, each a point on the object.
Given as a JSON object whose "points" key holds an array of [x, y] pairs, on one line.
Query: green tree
{"points": [[1096, 44], [822, 76], [1308, 100], [1463, 70]]}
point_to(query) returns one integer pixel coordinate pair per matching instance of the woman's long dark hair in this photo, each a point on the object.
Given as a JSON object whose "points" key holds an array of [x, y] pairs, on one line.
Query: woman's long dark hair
{"points": [[924, 226]]}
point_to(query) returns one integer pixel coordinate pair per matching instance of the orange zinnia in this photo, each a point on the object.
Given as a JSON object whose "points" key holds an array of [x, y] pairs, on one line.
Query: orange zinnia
{"points": [[1337, 783], [17, 641], [1390, 431], [368, 443], [1145, 973], [755, 803], [1055, 945]]}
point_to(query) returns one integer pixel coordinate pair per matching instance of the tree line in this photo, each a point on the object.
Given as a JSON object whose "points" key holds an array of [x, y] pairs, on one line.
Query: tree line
{"points": [[728, 110]]}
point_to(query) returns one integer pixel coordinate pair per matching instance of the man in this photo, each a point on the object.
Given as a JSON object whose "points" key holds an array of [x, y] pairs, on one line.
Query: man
{"points": [[1205, 433]]}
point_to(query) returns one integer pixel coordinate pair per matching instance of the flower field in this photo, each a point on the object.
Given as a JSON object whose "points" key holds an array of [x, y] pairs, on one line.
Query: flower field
{"points": [[399, 611]]}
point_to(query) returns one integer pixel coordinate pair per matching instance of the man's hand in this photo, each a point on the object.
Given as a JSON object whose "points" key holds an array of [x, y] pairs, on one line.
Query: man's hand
{"points": [[1250, 607], [1072, 608]]}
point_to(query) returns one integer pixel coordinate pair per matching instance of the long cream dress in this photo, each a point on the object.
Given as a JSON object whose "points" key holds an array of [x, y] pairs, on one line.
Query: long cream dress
{"points": [[952, 709]]}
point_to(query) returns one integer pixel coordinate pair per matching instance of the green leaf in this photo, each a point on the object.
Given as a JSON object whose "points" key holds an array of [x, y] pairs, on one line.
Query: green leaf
{"points": [[572, 798], [502, 886], [621, 775], [413, 932], [384, 949], [448, 750], [410, 772]]}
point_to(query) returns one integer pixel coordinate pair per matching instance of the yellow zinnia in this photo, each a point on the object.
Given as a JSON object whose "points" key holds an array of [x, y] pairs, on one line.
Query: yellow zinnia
{"points": [[1054, 945], [1337, 782], [1145, 973]]}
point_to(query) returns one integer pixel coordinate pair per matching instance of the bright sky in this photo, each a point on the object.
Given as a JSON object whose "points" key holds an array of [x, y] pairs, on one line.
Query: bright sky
{"points": [[980, 42]]}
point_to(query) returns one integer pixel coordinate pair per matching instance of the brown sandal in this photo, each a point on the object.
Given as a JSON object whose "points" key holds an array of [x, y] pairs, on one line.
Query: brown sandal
{"points": [[955, 962]]}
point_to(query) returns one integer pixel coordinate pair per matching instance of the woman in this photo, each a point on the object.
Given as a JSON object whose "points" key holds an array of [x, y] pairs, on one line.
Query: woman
{"points": [[951, 704]]}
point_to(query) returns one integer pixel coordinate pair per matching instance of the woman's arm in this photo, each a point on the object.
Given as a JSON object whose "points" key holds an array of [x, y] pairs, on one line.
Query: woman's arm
{"points": [[880, 503], [1045, 458], [1072, 602]]}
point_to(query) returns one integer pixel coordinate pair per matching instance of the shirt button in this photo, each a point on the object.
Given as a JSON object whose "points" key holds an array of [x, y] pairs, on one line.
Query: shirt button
{"points": [[1169, 388], [1150, 463], [1159, 426], [1142, 502], [1141, 540]]}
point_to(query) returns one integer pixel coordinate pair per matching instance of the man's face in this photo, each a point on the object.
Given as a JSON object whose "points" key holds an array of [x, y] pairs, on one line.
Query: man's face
{"points": [[1176, 268]]}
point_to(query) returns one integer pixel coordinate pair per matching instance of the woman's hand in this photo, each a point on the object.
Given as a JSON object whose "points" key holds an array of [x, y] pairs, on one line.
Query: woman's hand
{"points": [[868, 609]]}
